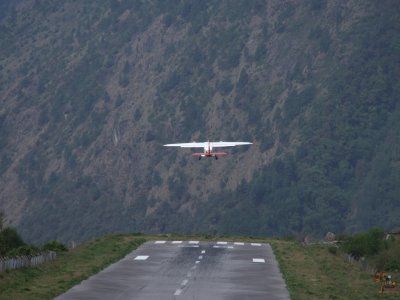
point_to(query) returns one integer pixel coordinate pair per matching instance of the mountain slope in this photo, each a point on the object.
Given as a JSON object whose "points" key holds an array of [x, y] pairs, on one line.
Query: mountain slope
{"points": [[90, 92]]}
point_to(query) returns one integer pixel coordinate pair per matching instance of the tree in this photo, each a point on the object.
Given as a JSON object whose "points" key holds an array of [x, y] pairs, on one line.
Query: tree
{"points": [[365, 244], [2, 218], [9, 239]]}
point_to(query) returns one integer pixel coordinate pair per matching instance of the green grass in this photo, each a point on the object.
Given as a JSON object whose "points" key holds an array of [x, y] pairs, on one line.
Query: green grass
{"points": [[51, 279], [311, 272]]}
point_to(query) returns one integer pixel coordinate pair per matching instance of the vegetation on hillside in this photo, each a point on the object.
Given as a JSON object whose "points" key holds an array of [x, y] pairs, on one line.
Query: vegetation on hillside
{"points": [[91, 90]]}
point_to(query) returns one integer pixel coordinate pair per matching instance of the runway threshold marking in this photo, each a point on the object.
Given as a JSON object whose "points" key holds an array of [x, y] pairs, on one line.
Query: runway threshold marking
{"points": [[223, 247], [238, 243]]}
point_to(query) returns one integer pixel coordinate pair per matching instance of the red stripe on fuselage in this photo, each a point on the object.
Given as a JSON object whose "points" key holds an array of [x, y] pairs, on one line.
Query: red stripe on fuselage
{"points": [[209, 154]]}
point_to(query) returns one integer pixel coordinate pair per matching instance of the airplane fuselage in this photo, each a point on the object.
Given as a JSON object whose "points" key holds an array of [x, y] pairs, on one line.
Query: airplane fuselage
{"points": [[208, 147], [208, 152]]}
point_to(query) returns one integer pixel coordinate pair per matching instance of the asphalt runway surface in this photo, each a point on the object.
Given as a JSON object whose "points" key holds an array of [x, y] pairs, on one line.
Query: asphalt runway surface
{"points": [[188, 270]]}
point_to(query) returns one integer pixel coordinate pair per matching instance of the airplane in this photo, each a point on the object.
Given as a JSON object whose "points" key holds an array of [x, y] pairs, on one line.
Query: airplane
{"points": [[208, 146]]}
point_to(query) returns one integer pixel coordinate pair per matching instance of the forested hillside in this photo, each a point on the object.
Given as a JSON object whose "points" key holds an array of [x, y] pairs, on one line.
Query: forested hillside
{"points": [[91, 90]]}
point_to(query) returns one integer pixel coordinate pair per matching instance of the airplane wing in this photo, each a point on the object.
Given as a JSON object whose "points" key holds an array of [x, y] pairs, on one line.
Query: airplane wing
{"points": [[187, 145], [205, 144], [228, 144]]}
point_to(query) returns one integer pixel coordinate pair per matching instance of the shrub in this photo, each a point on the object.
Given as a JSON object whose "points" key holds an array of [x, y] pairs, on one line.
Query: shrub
{"points": [[365, 244], [9, 239], [25, 250], [54, 246]]}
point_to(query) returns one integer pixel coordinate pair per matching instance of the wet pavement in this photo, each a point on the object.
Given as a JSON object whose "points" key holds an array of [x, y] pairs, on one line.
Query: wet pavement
{"points": [[188, 270]]}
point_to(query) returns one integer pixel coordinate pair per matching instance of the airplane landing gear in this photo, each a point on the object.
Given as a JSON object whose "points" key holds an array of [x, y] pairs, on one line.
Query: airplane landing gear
{"points": [[216, 157]]}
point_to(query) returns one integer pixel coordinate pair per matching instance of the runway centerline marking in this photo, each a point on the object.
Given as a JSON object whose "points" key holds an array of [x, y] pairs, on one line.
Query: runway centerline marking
{"points": [[255, 244], [184, 282], [141, 257], [193, 242], [259, 260], [223, 247], [176, 242], [203, 251], [238, 243], [178, 292], [160, 242], [222, 243]]}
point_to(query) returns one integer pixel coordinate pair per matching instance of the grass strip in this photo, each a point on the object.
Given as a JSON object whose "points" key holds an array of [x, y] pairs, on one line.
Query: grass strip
{"points": [[312, 272], [52, 279]]}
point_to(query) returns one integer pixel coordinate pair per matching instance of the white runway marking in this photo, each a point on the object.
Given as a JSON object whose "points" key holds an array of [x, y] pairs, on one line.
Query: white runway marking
{"points": [[203, 251], [189, 246], [259, 260], [178, 292], [197, 261], [160, 242], [223, 247], [141, 257], [193, 242], [238, 243], [201, 257], [222, 243], [255, 244], [184, 282], [176, 242]]}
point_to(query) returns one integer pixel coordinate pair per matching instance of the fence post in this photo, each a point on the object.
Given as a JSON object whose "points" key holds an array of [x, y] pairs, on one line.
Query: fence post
{"points": [[26, 261]]}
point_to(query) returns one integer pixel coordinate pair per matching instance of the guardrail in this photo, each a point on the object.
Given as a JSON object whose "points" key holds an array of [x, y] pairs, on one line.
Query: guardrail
{"points": [[26, 261]]}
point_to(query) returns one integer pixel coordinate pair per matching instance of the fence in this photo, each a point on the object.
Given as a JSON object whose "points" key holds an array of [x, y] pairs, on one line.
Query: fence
{"points": [[361, 263], [26, 261]]}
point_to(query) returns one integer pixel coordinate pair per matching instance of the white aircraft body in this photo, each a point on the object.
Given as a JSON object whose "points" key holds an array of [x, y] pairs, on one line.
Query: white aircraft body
{"points": [[208, 147]]}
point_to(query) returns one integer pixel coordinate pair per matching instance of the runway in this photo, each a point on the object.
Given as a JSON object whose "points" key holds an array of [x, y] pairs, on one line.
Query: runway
{"points": [[188, 270]]}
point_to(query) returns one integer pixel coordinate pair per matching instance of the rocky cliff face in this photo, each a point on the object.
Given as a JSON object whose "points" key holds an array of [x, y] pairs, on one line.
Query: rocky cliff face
{"points": [[91, 91]]}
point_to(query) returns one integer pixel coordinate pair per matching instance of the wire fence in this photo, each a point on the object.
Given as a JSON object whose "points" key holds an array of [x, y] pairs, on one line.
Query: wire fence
{"points": [[26, 261]]}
